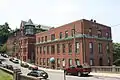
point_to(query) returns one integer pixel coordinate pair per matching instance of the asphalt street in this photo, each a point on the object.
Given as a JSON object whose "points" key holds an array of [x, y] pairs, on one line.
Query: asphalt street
{"points": [[60, 75]]}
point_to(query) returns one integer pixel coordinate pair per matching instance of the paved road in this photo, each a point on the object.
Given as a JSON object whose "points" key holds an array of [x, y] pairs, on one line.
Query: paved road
{"points": [[23, 70], [60, 75]]}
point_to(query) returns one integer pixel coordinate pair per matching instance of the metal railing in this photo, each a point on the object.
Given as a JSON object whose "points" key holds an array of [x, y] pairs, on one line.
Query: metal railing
{"points": [[112, 69]]}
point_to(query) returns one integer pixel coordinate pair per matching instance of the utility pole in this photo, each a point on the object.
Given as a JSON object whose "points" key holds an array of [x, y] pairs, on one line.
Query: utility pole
{"points": [[64, 75], [74, 42]]}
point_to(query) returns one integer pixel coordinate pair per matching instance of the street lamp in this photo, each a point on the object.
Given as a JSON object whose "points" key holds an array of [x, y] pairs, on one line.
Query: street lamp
{"points": [[64, 75]]}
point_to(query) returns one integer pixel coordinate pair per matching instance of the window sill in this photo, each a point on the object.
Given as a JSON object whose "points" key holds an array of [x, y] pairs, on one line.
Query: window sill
{"points": [[70, 53]]}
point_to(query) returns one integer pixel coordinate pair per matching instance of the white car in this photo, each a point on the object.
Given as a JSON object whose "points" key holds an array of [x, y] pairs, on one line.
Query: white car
{"points": [[5, 55], [16, 61]]}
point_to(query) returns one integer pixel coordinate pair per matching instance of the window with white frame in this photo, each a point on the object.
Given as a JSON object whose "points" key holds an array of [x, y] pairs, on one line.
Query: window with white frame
{"points": [[58, 62], [91, 47], [77, 47], [91, 62], [63, 62], [70, 62], [90, 31], [66, 34], [77, 61]]}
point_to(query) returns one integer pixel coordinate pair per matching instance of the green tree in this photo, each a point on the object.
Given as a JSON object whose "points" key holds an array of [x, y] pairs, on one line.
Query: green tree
{"points": [[4, 33], [4, 48], [116, 53]]}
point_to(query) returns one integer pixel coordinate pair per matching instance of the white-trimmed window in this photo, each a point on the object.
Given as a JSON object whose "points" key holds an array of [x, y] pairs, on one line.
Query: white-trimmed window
{"points": [[70, 62], [63, 62], [91, 47], [91, 62], [58, 62], [77, 47], [77, 61], [66, 34]]}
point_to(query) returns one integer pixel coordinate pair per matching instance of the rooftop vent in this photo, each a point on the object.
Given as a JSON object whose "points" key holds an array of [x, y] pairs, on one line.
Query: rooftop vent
{"points": [[95, 21], [91, 20]]}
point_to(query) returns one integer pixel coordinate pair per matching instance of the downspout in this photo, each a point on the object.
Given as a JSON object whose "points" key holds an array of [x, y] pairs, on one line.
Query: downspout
{"points": [[83, 43]]}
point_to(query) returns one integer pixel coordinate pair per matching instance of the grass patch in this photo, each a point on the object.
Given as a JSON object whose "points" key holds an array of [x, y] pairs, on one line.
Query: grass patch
{"points": [[5, 76]]}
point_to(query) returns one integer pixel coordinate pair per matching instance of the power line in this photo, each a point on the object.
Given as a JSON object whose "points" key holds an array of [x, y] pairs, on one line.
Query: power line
{"points": [[115, 25]]}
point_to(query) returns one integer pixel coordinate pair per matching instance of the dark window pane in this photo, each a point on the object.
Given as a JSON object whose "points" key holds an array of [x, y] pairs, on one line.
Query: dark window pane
{"points": [[99, 34], [90, 31], [45, 38], [53, 37], [52, 49], [72, 32], [58, 48], [63, 48], [70, 47], [66, 34], [47, 49], [60, 35]]}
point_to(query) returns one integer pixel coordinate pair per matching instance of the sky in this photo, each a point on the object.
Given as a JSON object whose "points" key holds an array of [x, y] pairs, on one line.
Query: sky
{"points": [[59, 12]]}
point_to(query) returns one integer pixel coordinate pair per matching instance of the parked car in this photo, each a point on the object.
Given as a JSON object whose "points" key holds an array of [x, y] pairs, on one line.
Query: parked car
{"points": [[16, 61], [24, 65], [11, 59], [5, 55], [4, 65], [9, 67], [0, 62], [78, 70], [2, 54], [32, 67], [38, 73]]}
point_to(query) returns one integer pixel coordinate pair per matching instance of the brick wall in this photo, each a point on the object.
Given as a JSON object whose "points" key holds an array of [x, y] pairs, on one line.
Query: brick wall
{"points": [[81, 27]]}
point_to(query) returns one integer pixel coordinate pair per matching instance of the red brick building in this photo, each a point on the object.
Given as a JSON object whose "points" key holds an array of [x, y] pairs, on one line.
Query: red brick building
{"points": [[27, 41], [79, 42], [13, 43], [27, 48]]}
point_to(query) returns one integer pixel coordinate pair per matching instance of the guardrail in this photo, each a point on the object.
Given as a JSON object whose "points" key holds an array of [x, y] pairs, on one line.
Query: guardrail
{"points": [[112, 69], [7, 70], [17, 75]]}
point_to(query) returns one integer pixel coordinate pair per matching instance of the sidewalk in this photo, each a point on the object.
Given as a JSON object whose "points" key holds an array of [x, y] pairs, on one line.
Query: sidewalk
{"points": [[51, 70], [117, 75]]}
